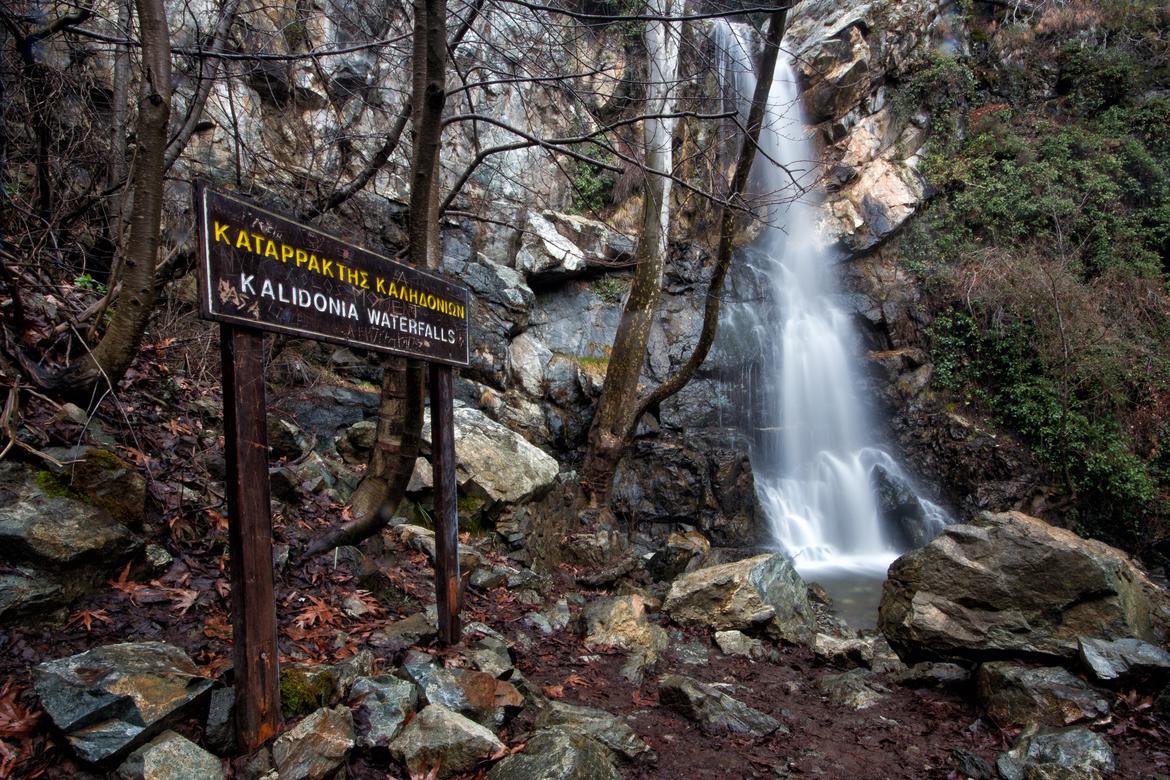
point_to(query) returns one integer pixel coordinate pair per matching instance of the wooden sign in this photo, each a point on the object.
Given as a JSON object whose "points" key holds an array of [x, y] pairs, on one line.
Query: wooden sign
{"points": [[261, 270]]}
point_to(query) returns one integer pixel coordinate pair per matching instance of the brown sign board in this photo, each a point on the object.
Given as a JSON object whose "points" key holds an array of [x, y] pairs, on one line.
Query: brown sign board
{"points": [[260, 270]]}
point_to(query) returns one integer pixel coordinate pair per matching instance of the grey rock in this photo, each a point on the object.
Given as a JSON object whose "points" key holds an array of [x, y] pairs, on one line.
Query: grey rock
{"points": [[487, 578], [315, 747], [692, 653], [442, 739], [285, 439], [607, 728], [111, 699], [557, 755], [856, 689], [476, 695], [973, 766], [170, 756], [413, 630], [220, 731], [495, 463], [1012, 584], [1123, 659], [714, 711], [1048, 696], [837, 649], [931, 675], [1073, 753], [737, 643], [902, 514], [25, 591], [682, 552], [621, 622], [493, 656], [761, 593], [101, 478], [381, 706], [158, 558], [356, 442]]}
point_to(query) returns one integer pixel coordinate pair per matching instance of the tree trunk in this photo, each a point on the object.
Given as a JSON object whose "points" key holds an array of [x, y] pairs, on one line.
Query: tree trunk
{"points": [[111, 357], [606, 447], [613, 422], [401, 411]]}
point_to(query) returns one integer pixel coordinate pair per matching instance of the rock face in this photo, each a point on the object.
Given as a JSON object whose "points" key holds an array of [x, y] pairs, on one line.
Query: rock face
{"points": [[621, 622], [111, 699], [557, 755], [714, 711], [1012, 584], [170, 756], [757, 594], [1049, 696], [439, 738], [316, 746]]}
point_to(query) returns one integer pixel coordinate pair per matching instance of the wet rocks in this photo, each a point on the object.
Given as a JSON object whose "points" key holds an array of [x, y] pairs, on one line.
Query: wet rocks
{"points": [[111, 699], [441, 740], [476, 695], [682, 552], [843, 649], [606, 728], [1123, 660], [715, 711], [1058, 754], [315, 747], [621, 622], [381, 706], [1049, 696], [856, 689], [1010, 584], [170, 756], [756, 594], [738, 643], [557, 755]]}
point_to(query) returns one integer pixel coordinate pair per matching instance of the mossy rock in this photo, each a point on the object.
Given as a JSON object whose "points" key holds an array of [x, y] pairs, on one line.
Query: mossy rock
{"points": [[304, 689], [99, 478]]}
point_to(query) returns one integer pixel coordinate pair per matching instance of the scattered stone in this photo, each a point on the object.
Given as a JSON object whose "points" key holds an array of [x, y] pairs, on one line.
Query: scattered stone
{"points": [[158, 558], [693, 653], [494, 462], [476, 695], [170, 756], [356, 442], [413, 630], [444, 741], [856, 689], [711, 708], [102, 479], [381, 706], [540, 623], [761, 593], [1048, 696], [557, 755], [493, 656], [111, 699], [1064, 754], [932, 675], [737, 643], [1123, 659], [607, 728], [286, 440], [25, 591], [818, 595], [423, 540], [851, 650], [485, 578], [602, 549], [681, 553], [220, 731], [621, 622], [973, 766], [315, 747], [1012, 584]]}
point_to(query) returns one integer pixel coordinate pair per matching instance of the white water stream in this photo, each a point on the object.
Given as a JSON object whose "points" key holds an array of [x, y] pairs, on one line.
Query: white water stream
{"points": [[814, 447]]}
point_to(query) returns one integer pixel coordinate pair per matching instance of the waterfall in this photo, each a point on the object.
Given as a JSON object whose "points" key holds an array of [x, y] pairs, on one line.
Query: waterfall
{"points": [[814, 454]]}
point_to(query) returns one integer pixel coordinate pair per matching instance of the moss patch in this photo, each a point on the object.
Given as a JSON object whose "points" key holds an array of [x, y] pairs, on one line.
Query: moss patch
{"points": [[305, 689]]}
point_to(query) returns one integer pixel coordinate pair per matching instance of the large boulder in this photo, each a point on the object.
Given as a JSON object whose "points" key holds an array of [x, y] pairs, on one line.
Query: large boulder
{"points": [[171, 756], [607, 728], [1067, 754], [111, 699], [760, 594], [1010, 584], [494, 463]]}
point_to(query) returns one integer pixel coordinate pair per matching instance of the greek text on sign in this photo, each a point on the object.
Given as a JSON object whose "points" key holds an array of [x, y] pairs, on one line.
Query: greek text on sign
{"points": [[265, 271]]}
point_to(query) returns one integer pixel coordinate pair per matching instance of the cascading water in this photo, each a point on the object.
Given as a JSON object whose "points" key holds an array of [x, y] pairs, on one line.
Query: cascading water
{"points": [[813, 454]]}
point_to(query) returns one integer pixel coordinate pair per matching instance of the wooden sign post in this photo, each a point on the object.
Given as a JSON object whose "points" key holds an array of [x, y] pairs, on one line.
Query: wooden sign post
{"points": [[260, 271]]}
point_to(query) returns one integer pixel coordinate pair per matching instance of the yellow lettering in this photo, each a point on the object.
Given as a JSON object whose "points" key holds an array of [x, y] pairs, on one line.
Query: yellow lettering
{"points": [[221, 233], [430, 302], [326, 265], [313, 264], [365, 283], [270, 250], [302, 257], [380, 285], [256, 239], [286, 253], [393, 291], [242, 241]]}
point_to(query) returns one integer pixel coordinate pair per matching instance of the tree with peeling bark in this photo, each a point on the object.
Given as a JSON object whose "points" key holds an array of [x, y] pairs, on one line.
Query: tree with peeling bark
{"points": [[622, 401]]}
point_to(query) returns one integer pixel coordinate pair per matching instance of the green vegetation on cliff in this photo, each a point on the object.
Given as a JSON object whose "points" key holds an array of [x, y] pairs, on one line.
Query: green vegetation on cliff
{"points": [[1047, 252]]}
